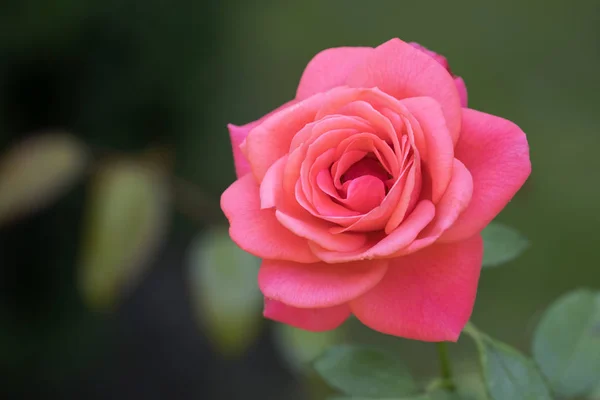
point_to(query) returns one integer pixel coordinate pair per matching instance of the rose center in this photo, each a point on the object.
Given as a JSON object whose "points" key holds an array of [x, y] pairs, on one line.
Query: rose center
{"points": [[366, 166], [364, 185]]}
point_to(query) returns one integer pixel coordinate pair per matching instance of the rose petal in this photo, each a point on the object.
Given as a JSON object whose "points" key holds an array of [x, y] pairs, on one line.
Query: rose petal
{"points": [[385, 246], [318, 206], [462, 90], [426, 296], [318, 285], [238, 134], [317, 231], [437, 57], [402, 191], [329, 69], [460, 84], [272, 184], [453, 203], [496, 153], [257, 231], [455, 200], [291, 174], [321, 201], [366, 166], [402, 71], [377, 217], [440, 149], [271, 139], [349, 153], [310, 319], [322, 152], [364, 193], [383, 128], [327, 123], [319, 157], [409, 196]]}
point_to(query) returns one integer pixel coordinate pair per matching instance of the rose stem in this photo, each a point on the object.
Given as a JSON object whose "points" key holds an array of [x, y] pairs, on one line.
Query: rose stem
{"points": [[445, 368]]}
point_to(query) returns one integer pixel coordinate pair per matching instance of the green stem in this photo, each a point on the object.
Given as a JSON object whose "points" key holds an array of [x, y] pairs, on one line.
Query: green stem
{"points": [[445, 368]]}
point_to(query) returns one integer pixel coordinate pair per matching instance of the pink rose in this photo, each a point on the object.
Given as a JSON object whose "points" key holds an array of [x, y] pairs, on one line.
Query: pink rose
{"points": [[368, 192], [458, 81]]}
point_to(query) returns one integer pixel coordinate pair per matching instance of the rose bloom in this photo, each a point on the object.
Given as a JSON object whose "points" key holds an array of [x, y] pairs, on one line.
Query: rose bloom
{"points": [[367, 193]]}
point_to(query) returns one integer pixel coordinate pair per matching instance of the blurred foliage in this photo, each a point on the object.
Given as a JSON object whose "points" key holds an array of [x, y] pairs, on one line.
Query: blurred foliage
{"points": [[301, 348], [565, 350], [508, 374], [566, 344], [366, 372], [228, 304], [501, 244], [124, 227], [37, 171], [123, 76]]}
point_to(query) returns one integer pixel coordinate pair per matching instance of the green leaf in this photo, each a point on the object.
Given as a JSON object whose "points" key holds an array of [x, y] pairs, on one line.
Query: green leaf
{"points": [[126, 219], [364, 371], [501, 244], [417, 397], [458, 395], [299, 348], [566, 343], [595, 395], [469, 386], [444, 395], [35, 172], [508, 374], [224, 291]]}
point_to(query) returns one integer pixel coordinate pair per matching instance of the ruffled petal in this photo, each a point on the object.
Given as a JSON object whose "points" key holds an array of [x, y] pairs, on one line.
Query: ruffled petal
{"points": [[440, 150], [453, 203], [462, 90], [317, 231], [237, 135], [402, 71], [272, 185], [329, 69], [271, 139], [427, 296], [496, 153], [318, 285], [384, 246], [310, 319], [257, 231]]}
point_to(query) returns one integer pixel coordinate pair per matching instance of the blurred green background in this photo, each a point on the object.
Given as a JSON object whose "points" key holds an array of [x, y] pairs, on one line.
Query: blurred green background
{"points": [[109, 237]]}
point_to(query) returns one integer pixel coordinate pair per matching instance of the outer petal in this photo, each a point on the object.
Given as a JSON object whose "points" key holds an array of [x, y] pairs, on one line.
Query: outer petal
{"points": [[318, 285], [329, 69], [428, 295], [496, 153], [258, 231], [402, 71], [238, 134], [462, 90], [271, 139], [310, 319], [437, 57], [460, 84]]}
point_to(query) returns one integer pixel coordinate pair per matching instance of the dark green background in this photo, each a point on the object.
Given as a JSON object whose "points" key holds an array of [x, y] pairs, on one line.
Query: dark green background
{"points": [[126, 75]]}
